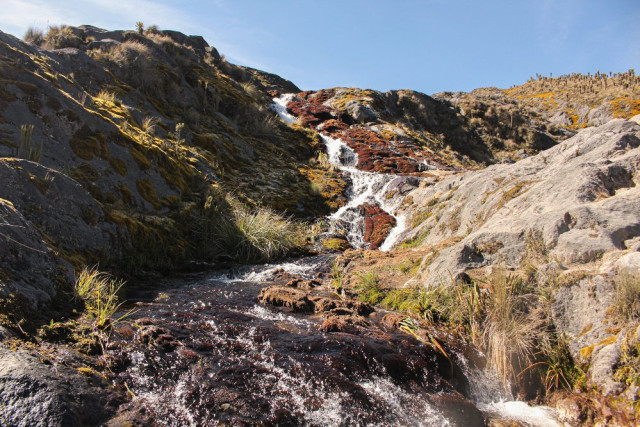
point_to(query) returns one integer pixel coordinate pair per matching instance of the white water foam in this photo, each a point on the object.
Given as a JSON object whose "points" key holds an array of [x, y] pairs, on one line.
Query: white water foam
{"points": [[407, 407], [534, 416], [280, 107], [263, 272], [365, 186], [491, 397], [278, 317]]}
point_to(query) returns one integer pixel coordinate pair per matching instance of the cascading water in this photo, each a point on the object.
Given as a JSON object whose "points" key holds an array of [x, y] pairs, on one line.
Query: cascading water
{"points": [[366, 187], [280, 107], [205, 353], [484, 388]]}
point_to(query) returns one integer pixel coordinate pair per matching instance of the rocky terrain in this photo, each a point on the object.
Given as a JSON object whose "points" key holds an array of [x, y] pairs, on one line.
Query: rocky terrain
{"points": [[146, 154]]}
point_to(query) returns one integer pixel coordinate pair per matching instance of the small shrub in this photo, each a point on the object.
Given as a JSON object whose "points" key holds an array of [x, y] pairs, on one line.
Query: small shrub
{"points": [[140, 27], [178, 136], [152, 29], [107, 97], [336, 279]]}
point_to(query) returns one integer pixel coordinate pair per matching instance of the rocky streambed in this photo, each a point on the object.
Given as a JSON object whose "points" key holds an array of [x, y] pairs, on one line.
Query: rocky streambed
{"points": [[271, 345], [261, 345]]}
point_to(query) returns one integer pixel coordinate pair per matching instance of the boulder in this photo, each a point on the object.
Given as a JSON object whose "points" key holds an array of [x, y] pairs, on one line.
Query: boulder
{"points": [[629, 263], [33, 394], [593, 295], [29, 269], [284, 296], [361, 113], [60, 208], [561, 118]]}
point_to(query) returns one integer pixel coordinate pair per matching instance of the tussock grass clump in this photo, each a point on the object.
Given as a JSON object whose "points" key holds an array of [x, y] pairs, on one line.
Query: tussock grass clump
{"points": [[107, 97], [34, 36], [505, 318], [337, 279], [248, 235], [627, 302], [263, 234], [99, 292], [59, 37], [135, 63], [27, 149], [368, 288], [512, 328]]}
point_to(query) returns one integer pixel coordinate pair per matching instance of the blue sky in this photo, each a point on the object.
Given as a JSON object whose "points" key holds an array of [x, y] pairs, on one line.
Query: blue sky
{"points": [[427, 45]]}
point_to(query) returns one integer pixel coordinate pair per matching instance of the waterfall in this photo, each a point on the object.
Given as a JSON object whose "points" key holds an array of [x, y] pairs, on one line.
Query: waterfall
{"points": [[365, 187], [280, 106]]}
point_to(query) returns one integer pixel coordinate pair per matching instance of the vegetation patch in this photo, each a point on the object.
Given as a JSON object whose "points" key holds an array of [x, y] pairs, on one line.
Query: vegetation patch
{"points": [[118, 165], [85, 173], [255, 235], [99, 292], [627, 303], [87, 144], [628, 368], [148, 192], [140, 158], [335, 244]]}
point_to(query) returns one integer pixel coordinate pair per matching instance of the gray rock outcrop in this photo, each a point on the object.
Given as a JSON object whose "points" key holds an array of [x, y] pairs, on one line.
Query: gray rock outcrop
{"points": [[577, 201]]}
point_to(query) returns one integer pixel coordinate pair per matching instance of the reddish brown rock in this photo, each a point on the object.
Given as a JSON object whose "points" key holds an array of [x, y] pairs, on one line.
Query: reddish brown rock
{"points": [[376, 153], [392, 320], [377, 224], [283, 296], [344, 322], [333, 126], [310, 114], [337, 306]]}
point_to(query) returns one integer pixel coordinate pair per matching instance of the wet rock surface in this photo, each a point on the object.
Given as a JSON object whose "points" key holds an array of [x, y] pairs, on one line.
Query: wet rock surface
{"points": [[34, 394], [239, 362], [377, 224]]}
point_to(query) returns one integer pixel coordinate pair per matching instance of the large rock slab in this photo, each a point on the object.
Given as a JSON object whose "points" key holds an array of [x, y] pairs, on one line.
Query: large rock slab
{"points": [[593, 295], [580, 199], [29, 269], [58, 206]]}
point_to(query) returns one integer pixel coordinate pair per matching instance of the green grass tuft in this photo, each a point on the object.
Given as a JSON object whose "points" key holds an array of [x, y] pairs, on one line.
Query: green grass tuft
{"points": [[99, 292]]}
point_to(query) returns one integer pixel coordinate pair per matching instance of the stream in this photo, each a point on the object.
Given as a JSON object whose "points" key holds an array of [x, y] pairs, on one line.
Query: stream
{"points": [[201, 350]]}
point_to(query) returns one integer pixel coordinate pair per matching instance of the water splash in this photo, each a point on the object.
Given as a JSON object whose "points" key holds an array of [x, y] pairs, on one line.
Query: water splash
{"points": [[406, 408], [492, 398]]}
